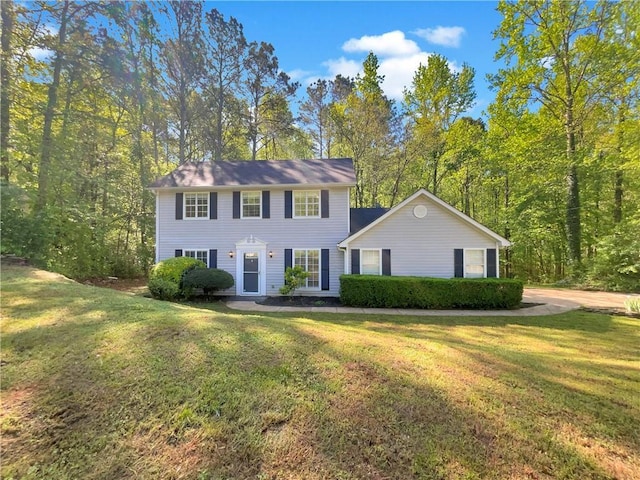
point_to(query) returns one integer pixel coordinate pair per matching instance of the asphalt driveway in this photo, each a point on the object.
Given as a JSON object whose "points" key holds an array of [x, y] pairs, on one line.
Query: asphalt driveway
{"points": [[583, 298]]}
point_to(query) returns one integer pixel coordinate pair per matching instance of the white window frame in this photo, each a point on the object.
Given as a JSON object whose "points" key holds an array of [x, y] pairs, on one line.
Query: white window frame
{"points": [[198, 195], [484, 262], [242, 198], [379, 250], [306, 203], [196, 251], [307, 250]]}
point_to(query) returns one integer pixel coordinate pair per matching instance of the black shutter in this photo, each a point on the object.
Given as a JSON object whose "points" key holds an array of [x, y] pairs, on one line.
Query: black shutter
{"points": [[236, 204], [386, 261], [288, 258], [179, 199], [355, 261], [213, 205], [288, 204], [492, 264], [458, 262], [178, 252], [324, 265], [324, 203], [213, 258], [266, 207]]}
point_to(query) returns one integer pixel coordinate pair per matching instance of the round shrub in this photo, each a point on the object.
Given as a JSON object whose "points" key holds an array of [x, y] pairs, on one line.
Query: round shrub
{"points": [[164, 289], [208, 279], [173, 270]]}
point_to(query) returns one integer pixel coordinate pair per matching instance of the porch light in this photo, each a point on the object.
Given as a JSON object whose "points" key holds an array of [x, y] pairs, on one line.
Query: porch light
{"points": [[230, 253], [270, 253]]}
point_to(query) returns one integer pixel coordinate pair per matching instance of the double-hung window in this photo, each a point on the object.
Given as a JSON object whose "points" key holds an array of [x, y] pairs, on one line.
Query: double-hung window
{"points": [[251, 204], [198, 254], [196, 205], [370, 262], [474, 263], [306, 204], [309, 260]]}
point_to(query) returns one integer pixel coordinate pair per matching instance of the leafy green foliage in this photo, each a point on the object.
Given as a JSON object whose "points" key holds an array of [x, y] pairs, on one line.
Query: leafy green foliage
{"points": [[424, 292], [173, 270], [632, 304], [208, 279], [294, 278], [164, 289], [617, 263]]}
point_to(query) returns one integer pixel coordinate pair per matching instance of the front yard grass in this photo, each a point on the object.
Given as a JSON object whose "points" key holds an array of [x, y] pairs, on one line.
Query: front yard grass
{"points": [[102, 384]]}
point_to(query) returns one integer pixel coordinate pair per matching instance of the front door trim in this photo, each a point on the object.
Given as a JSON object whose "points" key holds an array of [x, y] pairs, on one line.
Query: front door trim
{"points": [[251, 244]]}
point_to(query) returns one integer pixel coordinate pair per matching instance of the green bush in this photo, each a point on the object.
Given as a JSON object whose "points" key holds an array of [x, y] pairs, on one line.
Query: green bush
{"points": [[632, 304], [208, 279], [173, 270], [425, 292], [164, 289], [294, 278]]}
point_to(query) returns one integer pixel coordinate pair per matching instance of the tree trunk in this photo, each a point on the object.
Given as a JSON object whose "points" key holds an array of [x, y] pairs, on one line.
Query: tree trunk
{"points": [[573, 188], [5, 79], [52, 101]]}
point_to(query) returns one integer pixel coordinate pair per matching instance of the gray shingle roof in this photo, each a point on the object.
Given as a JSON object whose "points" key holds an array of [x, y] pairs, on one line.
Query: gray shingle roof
{"points": [[259, 172], [361, 217]]}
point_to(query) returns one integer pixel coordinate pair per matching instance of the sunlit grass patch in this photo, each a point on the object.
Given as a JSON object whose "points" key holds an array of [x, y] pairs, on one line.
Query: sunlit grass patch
{"points": [[100, 384]]}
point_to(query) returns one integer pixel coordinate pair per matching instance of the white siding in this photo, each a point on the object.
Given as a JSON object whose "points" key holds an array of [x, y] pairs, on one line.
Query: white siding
{"points": [[423, 246], [278, 232]]}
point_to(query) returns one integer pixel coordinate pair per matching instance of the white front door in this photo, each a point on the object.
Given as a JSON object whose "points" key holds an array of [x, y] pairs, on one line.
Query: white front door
{"points": [[251, 273], [251, 267]]}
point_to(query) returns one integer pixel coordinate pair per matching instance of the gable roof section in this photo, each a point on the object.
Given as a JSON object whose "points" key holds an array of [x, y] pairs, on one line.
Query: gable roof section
{"points": [[361, 217], [337, 171], [422, 192]]}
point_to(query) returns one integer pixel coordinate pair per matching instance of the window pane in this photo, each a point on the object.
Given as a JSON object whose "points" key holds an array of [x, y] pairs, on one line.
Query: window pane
{"points": [[251, 204], [370, 262], [306, 203], [196, 205], [474, 263], [309, 260]]}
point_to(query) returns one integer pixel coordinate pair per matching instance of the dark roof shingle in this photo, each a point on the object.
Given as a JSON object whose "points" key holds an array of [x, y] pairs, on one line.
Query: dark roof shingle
{"points": [[259, 172], [361, 217]]}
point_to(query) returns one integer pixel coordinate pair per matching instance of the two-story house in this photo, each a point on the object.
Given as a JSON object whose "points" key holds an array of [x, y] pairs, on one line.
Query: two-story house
{"points": [[254, 219]]}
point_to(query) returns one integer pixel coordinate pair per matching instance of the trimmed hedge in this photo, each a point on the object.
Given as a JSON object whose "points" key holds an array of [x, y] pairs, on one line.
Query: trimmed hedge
{"points": [[425, 292]]}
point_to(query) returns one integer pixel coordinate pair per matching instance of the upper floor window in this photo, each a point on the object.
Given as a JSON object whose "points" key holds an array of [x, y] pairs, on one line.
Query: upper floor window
{"points": [[251, 204], [306, 203], [474, 263], [309, 260], [196, 205]]}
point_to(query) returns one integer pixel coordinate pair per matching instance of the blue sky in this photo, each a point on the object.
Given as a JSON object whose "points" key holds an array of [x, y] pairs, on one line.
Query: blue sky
{"points": [[321, 39]]}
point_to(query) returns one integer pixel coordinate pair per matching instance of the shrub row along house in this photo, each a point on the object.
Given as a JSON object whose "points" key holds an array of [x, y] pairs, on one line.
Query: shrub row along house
{"points": [[254, 219]]}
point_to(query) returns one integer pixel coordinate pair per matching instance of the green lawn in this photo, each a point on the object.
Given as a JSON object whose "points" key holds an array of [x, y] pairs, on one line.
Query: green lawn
{"points": [[102, 384]]}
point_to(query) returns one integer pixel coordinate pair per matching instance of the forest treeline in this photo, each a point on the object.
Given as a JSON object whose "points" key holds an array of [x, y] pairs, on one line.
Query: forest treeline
{"points": [[99, 98]]}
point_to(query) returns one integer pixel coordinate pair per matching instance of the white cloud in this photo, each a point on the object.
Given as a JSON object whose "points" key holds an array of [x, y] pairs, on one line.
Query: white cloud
{"points": [[398, 60], [299, 74], [390, 44], [342, 66], [445, 36], [398, 73]]}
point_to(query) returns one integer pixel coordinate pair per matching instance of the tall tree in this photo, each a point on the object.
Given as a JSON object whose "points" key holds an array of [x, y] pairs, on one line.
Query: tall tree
{"points": [[183, 61], [314, 112], [437, 97], [362, 122], [264, 85], [7, 15], [553, 52], [226, 49]]}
